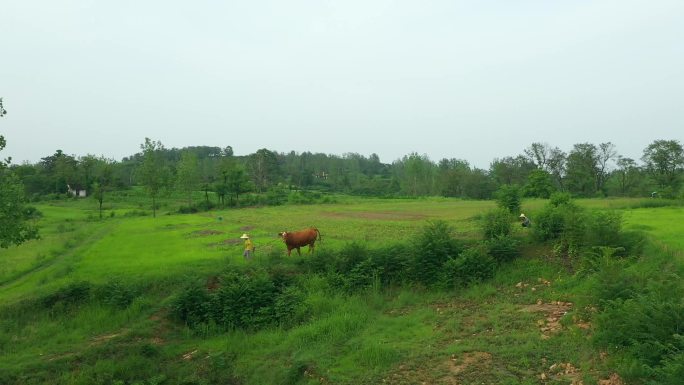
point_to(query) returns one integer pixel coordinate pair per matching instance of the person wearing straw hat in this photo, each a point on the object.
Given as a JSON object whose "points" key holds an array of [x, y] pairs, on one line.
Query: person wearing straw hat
{"points": [[249, 246], [524, 221]]}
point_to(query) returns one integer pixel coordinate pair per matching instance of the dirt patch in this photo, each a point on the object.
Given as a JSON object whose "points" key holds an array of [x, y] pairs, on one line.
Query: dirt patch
{"points": [[106, 337], [378, 215], [246, 228], [553, 311], [455, 370], [213, 283], [468, 362], [205, 233], [563, 371], [614, 379]]}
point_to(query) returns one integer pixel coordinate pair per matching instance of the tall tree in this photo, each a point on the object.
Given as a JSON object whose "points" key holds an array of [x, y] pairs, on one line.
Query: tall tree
{"points": [[453, 176], [102, 175], [263, 168], [557, 166], [152, 172], [417, 174], [187, 174], [539, 154], [664, 160], [627, 174], [15, 228], [604, 154], [582, 168], [510, 170]]}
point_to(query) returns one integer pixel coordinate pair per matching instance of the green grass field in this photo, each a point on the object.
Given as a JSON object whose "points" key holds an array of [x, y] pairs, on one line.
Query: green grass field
{"points": [[512, 329]]}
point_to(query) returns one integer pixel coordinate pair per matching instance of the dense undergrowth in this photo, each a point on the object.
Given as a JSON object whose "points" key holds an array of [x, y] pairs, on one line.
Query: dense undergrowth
{"points": [[629, 289]]}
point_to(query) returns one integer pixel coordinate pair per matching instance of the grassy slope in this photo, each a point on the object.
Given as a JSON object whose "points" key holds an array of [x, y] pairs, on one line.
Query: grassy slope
{"points": [[489, 333]]}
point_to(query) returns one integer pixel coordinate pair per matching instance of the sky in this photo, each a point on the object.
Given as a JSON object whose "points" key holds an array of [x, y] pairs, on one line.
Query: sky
{"points": [[473, 80]]}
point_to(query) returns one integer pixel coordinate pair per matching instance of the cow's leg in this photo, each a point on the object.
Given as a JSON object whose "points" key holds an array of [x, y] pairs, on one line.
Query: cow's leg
{"points": [[299, 252], [289, 250]]}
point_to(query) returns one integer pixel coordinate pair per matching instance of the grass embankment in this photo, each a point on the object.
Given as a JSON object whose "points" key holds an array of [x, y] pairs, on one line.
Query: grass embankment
{"points": [[117, 328]]}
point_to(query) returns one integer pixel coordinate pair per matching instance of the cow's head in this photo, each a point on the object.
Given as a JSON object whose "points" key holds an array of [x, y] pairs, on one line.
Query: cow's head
{"points": [[283, 234]]}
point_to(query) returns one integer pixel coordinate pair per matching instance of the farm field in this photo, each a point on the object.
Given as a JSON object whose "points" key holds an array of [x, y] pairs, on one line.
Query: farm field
{"points": [[523, 326]]}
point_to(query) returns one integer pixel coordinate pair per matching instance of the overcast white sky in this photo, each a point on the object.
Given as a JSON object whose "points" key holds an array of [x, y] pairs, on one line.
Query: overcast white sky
{"points": [[473, 80]]}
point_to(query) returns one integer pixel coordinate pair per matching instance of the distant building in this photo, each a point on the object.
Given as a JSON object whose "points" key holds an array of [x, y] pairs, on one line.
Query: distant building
{"points": [[77, 191]]}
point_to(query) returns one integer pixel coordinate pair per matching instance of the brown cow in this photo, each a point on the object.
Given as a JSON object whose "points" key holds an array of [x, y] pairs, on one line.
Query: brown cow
{"points": [[297, 239]]}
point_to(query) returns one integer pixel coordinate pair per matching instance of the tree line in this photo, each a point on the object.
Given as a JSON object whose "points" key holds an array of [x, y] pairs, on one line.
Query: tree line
{"points": [[586, 170]]}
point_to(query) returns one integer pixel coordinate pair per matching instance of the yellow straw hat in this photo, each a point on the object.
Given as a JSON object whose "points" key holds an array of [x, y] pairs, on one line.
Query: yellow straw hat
{"points": [[244, 236]]}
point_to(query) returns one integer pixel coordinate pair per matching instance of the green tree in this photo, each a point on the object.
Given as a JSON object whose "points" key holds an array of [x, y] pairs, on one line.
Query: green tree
{"points": [[453, 176], [664, 160], [102, 174], [540, 154], [605, 153], [582, 169], [509, 197], [187, 175], [627, 174], [556, 164], [417, 174], [263, 168], [15, 228], [153, 172], [510, 170], [539, 184], [238, 182]]}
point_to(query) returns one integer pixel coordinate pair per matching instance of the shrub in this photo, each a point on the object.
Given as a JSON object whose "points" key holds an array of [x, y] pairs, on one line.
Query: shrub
{"points": [[244, 300], [392, 263], [604, 228], [349, 256], [503, 248], [559, 199], [72, 294], [472, 265], [496, 223], [115, 293], [435, 246], [361, 277], [192, 306], [509, 197]]}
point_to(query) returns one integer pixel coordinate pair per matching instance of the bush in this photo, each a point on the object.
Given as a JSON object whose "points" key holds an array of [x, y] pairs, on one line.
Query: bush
{"points": [[604, 228], [435, 246], [472, 265], [115, 293], [509, 197], [192, 306], [496, 223], [503, 248], [72, 294], [349, 256], [244, 300]]}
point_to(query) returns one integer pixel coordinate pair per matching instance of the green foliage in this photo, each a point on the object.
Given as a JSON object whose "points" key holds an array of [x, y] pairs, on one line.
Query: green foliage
{"points": [[503, 248], [496, 223], [539, 184], [74, 293], [116, 293], [247, 300], [434, 247], [509, 197], [648, 325], [15, 225], [472, 265]]}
